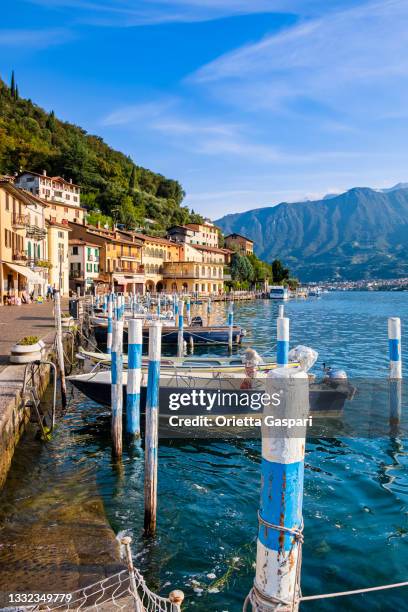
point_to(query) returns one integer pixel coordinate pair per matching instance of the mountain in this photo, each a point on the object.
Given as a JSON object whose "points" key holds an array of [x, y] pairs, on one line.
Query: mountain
{"points": [[32, 139], [361, 233]]}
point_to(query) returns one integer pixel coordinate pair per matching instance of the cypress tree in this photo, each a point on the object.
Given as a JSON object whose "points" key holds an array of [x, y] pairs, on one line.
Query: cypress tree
{"points": [[16, 96], [13, 85], [132, 180]]}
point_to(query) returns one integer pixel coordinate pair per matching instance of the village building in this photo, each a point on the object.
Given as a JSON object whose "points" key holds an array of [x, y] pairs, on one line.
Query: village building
{"points": [[240, 244], [120, 264], [83, 266], [205, 233], [58, 255], [23, 244]]}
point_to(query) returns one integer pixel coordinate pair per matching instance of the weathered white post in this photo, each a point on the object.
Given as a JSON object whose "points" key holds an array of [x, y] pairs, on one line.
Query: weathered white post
{"points": [[277, 580], [152, 424], [59, 346], [134, 375], [117, 386]]}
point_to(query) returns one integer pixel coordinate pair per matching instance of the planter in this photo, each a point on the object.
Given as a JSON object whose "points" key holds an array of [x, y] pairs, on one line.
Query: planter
{"points": [[22, 353]]}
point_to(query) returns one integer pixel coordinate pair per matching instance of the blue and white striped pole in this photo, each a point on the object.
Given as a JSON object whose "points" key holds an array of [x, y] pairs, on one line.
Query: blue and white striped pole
{"points": [[276, 584], [180, 336], [282, 348], [152, 424], [117, 387], [158, 305], [110, 320], [105, 304], [176, 309], [134, 375], [188, 311], [208, 310], [230, 324], [394, 345]]}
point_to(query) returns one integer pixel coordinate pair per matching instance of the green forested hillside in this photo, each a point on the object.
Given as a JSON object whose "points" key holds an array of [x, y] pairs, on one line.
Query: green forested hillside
{"points": [[112, 184]]}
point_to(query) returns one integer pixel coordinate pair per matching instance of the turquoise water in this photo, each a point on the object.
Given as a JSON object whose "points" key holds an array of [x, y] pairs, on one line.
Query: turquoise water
{"points": [[356, 490]]}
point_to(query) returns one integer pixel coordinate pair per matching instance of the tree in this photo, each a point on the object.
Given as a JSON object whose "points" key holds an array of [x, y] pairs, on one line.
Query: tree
{"points": [[279, 273], [133, 179], [241, 268], [13, 85]]}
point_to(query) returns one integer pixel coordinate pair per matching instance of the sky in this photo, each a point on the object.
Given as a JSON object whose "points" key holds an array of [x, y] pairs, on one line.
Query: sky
{"points": [[246, 102]]}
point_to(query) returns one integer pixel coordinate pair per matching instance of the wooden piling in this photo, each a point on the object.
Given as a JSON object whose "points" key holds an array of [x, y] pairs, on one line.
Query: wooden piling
{"points": [[117, 387], [278, 560], [134, 375], [60, 348], [151, 433], [180, 336]]}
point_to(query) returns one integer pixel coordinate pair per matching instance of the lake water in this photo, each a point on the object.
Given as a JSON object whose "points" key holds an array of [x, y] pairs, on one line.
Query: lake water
{"points": [[356, 490]]}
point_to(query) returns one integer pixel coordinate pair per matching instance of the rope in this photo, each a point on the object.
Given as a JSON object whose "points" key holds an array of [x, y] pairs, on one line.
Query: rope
{"points": [[355, 591]]}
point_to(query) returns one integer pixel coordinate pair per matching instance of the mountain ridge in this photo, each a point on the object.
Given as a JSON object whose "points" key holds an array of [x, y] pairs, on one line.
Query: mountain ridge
{"points": [[361, 233]]}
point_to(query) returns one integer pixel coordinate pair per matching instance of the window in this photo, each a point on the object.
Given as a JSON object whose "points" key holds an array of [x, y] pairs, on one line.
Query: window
{"points": [[61, 235], [75, 250], [54, 207], [7, 202], [96, 268], [89, 267], [65, 209]]}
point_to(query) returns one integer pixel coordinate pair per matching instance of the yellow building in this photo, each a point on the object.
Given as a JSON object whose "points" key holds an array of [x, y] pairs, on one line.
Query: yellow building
{"points": [[240, 244], [120, 263], [58, 255], [190, 277], [23, 246]]}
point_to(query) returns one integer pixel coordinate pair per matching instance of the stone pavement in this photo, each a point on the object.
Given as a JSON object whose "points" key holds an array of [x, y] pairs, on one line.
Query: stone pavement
{"points": [[26, 320]]}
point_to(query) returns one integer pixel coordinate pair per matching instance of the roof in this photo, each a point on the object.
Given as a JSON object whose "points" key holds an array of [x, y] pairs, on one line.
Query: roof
{"points": [[156, 239], [59, 225], [24, 195], [239, 236], [104, 234], [80, 242], [203, 247], [46, 176]]}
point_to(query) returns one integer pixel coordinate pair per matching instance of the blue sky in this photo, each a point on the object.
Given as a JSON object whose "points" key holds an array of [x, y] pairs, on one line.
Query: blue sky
{"points": [[246, 102]]}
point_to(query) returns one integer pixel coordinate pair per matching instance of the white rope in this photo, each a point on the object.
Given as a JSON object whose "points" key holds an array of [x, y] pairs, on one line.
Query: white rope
{"points": [[354, 592]]}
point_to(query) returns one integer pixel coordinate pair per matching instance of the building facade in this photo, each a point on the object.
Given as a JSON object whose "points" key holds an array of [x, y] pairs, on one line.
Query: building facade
{"points": [[205, 233], [240, 244], [62, 197], [58, 254], [23, 245], [120, 264], [83, 266]]}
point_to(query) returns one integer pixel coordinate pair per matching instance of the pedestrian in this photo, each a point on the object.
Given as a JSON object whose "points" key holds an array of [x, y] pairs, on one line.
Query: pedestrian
{"points": [[49, 293]]}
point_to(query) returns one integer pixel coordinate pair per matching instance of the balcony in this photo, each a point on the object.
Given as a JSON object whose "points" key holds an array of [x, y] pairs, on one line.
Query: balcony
{"points": [[19, 256], [75, 274], [19, 221], [36, 233]]}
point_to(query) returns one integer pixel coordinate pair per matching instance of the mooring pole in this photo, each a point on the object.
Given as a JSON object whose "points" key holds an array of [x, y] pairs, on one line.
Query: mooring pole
{"points": [[180, 336], [117, 386], [395, 373], [188, 311], [110, 320], [230, 324], [134, 374], [158, 305], [60, 348], [394, 346], [278, 561], [208, 310], [175, 309], [151, 434], [282, 347]]}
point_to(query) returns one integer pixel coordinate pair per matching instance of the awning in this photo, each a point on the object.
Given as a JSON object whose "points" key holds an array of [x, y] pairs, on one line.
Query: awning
{"points": [[125, 280], [27, 272]]}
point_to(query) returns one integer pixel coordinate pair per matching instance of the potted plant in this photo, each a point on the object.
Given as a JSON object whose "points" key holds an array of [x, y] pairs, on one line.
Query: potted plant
{"points": [[26, 350]]}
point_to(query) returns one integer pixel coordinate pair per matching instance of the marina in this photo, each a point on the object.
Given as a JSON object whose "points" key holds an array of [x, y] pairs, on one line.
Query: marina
{"points": [[208, 489]]}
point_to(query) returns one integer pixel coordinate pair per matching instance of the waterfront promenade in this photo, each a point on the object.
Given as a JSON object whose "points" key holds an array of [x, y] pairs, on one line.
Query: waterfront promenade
{"points": [[27, 320]]}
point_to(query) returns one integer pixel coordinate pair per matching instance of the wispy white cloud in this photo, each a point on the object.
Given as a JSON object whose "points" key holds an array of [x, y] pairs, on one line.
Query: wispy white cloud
{"points": [[144, 12], [34, 39], [343, 59]]}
